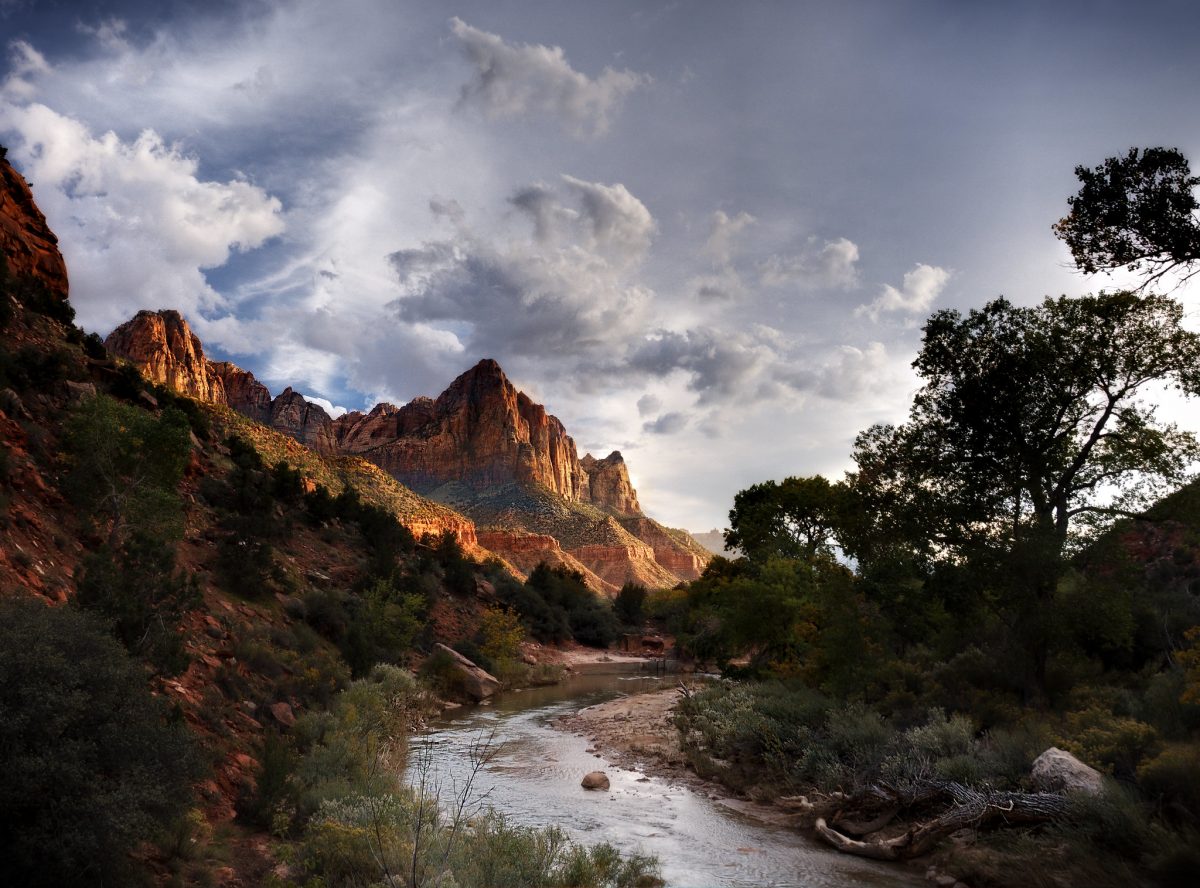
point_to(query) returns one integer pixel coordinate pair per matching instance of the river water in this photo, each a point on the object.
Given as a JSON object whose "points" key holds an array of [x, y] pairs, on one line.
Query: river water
{"points": [[533, 779]]}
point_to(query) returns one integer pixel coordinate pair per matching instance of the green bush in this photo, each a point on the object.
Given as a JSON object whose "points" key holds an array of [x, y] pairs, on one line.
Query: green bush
{"points": [[556, 605], [630, 604], [93, 763], [1172, 778], [143, 596]]}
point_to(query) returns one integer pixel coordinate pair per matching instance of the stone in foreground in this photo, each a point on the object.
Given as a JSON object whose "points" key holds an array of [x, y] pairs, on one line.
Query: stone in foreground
{"points": [[478, 684], [595, 780], [1056, 770]]}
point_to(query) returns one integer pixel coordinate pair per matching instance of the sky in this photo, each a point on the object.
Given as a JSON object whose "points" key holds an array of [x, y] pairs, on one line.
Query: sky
{"points": [[706, 234]]}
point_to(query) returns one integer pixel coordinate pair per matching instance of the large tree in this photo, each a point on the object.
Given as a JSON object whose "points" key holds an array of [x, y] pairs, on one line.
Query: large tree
{"points": [[1031, 420], [1136, 211]]}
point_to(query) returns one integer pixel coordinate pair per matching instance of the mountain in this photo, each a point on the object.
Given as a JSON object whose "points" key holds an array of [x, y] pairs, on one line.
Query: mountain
{"points": [[482, 447], [712, 540]]}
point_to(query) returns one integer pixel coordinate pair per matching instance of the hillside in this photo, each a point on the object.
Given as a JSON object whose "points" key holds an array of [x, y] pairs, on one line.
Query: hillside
{"points": [[482, 447], [249, 580]]}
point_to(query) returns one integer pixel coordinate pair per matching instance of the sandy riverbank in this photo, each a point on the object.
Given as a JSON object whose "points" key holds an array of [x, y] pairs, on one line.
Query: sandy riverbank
{"points": [[637, 732]]}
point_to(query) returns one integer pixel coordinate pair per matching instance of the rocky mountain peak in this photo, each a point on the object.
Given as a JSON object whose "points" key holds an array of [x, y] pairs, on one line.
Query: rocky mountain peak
{"points": [[609, 485]]}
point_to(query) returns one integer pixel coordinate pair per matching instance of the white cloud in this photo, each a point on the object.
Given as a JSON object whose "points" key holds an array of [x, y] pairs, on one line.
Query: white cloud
{"points": [[722, 237], [916, 296], [134, 219], [832, 265], [326, 405], [568, 292], [512, 80], [26, 64]]}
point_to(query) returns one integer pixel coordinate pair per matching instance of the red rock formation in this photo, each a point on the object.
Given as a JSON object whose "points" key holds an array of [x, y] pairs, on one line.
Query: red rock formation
{"points": [[525, 551], [25, 240], [243, 392], [166, 351], [481, 432], [608, 484], [306, 422], [164, 348], [670, 551]]}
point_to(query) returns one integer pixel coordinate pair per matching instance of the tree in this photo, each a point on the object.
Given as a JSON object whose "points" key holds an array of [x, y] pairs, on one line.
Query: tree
{"points": [[1030, 421], [1136, 212], [794, 518], [93, 764], [126, 466]]}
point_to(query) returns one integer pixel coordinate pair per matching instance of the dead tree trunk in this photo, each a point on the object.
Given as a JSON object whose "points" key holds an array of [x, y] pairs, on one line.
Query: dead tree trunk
{"points": [[960, 806]]}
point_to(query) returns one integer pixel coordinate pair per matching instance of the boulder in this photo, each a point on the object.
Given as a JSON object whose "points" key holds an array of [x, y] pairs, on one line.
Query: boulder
{"points": [[1056, 770], [595, 780], [478, 684]]}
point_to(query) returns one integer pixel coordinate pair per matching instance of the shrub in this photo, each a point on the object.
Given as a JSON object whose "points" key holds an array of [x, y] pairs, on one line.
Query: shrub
{"points": [[93, 765], [501, 633], [139, 591], [1173, 779]]}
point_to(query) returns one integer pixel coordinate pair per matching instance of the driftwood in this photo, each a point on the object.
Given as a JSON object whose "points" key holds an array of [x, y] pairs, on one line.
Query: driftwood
{"points": [[952, 805]]}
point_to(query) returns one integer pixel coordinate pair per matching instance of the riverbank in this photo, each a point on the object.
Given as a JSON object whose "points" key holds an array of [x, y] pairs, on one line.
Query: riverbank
{"points": [[637, 732]]}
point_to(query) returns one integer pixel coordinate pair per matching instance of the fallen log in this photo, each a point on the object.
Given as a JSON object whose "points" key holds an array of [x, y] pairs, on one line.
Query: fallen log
{"points": [[962, 807]]}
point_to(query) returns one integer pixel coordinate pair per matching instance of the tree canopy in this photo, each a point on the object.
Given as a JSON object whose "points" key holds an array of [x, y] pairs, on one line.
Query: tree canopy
{"points": [[1136, 211]]}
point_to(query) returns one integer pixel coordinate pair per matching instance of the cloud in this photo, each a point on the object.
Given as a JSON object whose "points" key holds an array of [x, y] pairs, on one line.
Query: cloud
{"points": [[326, 405], [648, 404], [725, 229], [567, 292], [514, 80], [720, 365], [667, 424], [137, 222], [921, 287], [833, 265], [25, 65]]}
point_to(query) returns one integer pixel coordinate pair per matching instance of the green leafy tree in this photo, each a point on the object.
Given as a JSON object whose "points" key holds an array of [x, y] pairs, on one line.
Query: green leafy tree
{"points": [[793, 518], [630, 604], [93, 764], [1137, 211], [126, 466], [1032, 422], [144, 597]]}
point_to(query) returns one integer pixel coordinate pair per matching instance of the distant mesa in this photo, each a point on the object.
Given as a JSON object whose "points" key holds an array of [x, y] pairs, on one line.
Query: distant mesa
{"points": [[481, 447]]}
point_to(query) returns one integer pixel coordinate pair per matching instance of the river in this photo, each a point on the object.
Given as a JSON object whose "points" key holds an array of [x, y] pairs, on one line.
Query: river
{"points": [[533, 779]]}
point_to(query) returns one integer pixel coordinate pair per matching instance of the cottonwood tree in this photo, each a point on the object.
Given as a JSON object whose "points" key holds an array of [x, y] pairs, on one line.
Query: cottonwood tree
{"points": [[1031, 422], [1136, 211]]}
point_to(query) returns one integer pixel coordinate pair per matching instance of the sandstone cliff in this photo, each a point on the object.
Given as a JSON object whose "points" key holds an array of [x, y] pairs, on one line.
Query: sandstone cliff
{"points": [[609, 485], [481, 447], [163, 347], [28, 244], [481, 432]]}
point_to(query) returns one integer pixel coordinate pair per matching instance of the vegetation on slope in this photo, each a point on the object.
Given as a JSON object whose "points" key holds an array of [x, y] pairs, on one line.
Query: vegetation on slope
{"points": [[241, 593]]}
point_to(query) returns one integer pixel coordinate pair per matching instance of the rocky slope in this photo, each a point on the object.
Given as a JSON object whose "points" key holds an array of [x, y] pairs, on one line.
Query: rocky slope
{"points": [[26, 242], [482, 447]]}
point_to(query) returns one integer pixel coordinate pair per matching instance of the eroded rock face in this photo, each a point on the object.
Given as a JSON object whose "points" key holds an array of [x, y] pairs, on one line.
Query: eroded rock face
{"points": [[307, 423], [608, 484], [25, 240], [480, 432], [243, 392], [166, 351]]}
